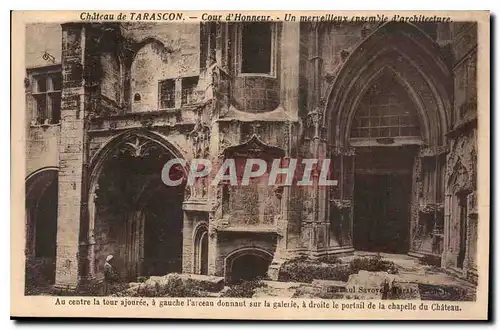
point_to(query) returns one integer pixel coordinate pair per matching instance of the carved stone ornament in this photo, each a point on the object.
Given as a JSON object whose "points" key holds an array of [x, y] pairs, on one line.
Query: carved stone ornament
{"points": [[459, 178], [314, 117], [147, 122], [431, 208], [187, 193], [339, 151], [329, 77], [136, 146], [472, 203], [218, 224], [278, 191], [254, 148], [342, 205], [434, 151], [212, 231], [344, 54], [200, 137]]}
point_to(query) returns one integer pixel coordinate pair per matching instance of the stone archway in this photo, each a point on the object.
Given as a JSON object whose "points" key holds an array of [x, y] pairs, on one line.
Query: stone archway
{"points": [[246, 264], [41, 227], [405, 61], [133, 214]]}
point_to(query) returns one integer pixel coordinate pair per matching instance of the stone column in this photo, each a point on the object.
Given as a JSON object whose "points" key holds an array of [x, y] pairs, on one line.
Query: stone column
{"points": [[214, 264], [290, 48], [470, 263], [449, 257], [71, 155], [187, 243], [415, 235]]}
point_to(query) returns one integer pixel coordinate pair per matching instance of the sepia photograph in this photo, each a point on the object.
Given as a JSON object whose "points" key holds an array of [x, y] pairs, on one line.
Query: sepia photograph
{"points": [[332, 158]]}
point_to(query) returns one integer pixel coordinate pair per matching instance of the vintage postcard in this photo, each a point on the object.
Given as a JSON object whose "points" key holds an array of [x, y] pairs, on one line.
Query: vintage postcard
{"points": [[250, 165]]}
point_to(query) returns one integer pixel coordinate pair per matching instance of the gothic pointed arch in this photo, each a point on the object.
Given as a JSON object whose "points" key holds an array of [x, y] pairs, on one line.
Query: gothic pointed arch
{"points": [[387, 107], [132, 213], [157, 45], [133, 140], [407, 54]]}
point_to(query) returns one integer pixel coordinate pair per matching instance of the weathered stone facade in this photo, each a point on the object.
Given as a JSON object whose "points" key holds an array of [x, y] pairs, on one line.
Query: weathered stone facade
{"points": [[135, 95]]}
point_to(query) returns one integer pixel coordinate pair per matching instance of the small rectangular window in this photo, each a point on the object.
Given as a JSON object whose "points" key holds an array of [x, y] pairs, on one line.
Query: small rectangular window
{"points": [[256, 48], [47, 96], [189, 85], [167, 94]]}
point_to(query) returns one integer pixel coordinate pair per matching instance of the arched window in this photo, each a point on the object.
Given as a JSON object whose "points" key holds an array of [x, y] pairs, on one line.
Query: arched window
{"points": [[385, 111]]}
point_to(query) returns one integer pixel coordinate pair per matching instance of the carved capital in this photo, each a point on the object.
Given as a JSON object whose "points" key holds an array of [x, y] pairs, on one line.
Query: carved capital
{"points": [[314, 121], [280, 225], [217, 224], [136, 146], [472, 204], [340, 151], [187, 193], [431, 208], [433, 151], [278, 191], [342, 205]]}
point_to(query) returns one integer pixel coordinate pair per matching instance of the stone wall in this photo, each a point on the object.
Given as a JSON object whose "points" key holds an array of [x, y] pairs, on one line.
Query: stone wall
{"points": [[169, 51], [42, 148], [41, 37], [111, 77], [256, 94]]}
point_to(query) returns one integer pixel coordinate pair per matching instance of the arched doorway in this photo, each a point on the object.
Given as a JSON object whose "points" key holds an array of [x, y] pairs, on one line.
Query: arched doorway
{"points": [[386, 118], [135, 216], [41, 227], [247, 264]]}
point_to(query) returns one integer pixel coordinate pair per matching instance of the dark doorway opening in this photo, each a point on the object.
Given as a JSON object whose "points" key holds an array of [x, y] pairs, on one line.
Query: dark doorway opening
{"points": [[41, 234], [46, 225], [249, 267], [382, 198], [162, 234], [138, 218], [204, 254], [381, 212]]}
